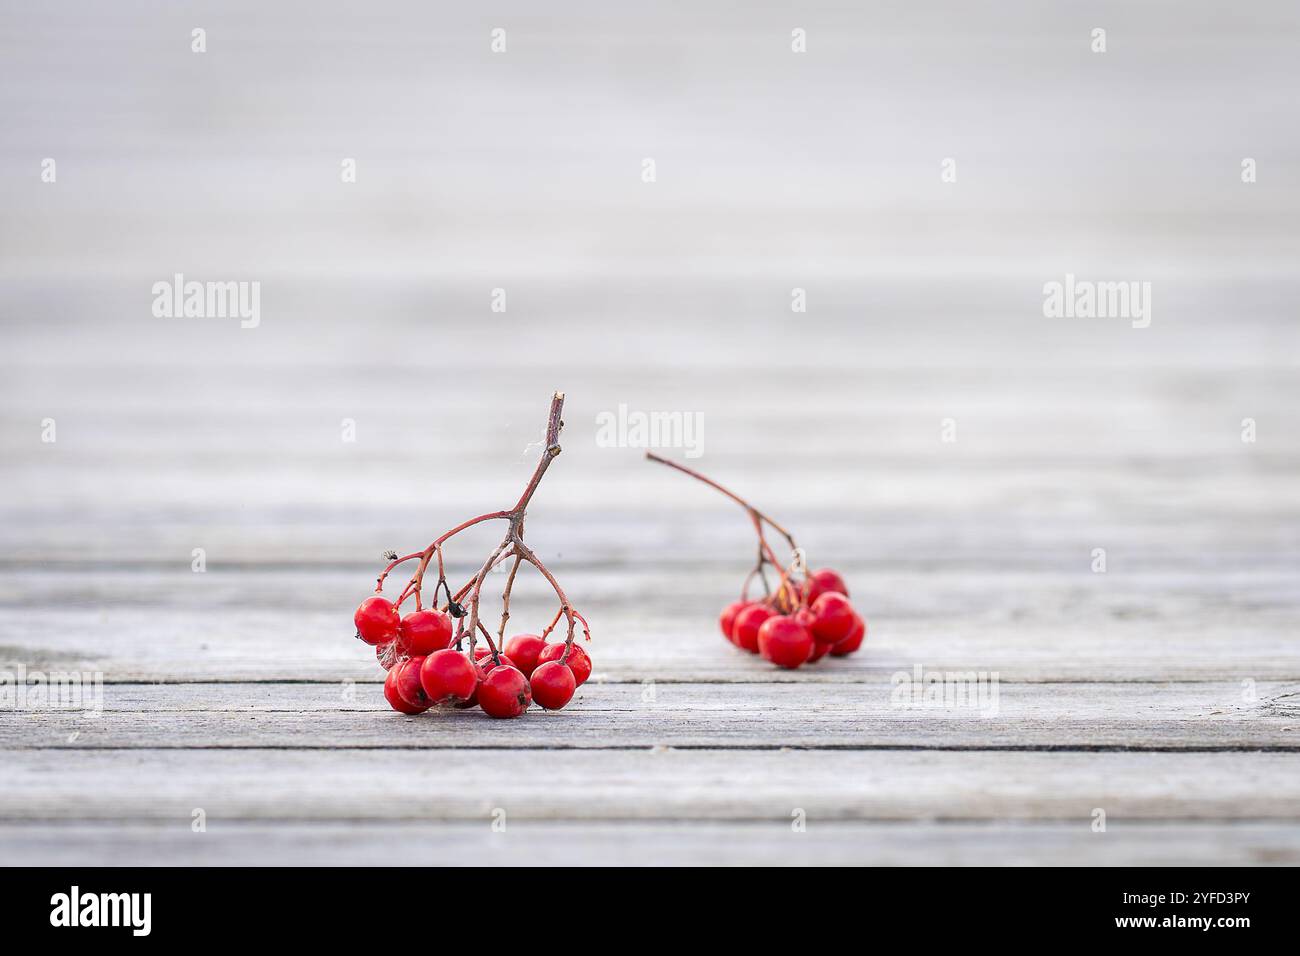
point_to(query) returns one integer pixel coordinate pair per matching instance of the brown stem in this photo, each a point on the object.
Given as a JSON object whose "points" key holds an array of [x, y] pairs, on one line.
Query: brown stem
{"points": [[786, 591], [565, 607], [552, 449], [754, 512], [515, 515], [379, 585], [496, 657], [505, 599], [476, 595], [546, 631], [512, 545]]}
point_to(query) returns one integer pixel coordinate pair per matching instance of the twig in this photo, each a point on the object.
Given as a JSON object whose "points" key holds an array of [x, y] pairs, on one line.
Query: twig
{"points": [[512, 545], [786, 595]]}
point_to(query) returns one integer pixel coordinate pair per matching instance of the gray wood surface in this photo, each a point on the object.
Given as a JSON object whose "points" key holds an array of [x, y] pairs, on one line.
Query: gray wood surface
{"points": [[641, 843], [648, 784], [1164, 692], [715, 716], [656, 618]]}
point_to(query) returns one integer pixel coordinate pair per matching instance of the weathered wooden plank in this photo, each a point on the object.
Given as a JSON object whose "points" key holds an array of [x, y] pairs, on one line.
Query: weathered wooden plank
{"points": [[1118, 701], [1257, 527], [148, 466], [658, 784], [658, 622], [549, 843], [1026, 716]]}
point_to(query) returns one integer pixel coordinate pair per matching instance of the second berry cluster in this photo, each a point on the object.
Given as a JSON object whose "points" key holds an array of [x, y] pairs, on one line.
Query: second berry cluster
{"points": [[789, 635], [803, 616]]}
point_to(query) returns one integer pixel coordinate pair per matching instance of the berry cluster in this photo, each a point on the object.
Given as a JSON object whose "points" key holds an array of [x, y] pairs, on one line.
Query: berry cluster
{"points": [[806, 616], [432, 655]]}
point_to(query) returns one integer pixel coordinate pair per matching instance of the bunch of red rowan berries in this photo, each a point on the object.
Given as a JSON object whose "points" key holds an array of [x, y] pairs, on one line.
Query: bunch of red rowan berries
{"points": [[806, 616], [432, 655], [822, 622]]}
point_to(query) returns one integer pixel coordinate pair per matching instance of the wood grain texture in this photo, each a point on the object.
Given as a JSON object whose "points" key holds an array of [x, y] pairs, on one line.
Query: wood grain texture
{"points": [[646, 784], [657, 621], [715, 716], [640, 843]]}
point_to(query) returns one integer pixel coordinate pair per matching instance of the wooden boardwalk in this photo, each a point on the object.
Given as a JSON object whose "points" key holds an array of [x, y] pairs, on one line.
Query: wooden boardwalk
{"points": [[1162, 695]]}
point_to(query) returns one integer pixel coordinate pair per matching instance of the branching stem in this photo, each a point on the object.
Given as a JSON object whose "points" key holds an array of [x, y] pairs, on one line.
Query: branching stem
{"points": [[511, 546], [787, 594]]}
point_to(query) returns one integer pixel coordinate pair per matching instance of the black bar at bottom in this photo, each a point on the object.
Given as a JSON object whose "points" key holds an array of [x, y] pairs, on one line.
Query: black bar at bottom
{"points": [[309, 906]]}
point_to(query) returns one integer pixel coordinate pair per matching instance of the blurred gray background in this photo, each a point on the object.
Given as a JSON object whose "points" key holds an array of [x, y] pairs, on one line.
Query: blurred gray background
{"points": [[775, 170]]}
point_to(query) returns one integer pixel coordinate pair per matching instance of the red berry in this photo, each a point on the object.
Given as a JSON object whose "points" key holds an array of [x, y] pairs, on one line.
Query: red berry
{"points": [[523, 650], [448, 677], [504, 692], [832, 617], [409, 687], [823, 581], [819, 651], [423, 632], [472, 699], [747, 624], [484, 662], [484, 658], [553, 684], [579, 662], [804, 618], [394, 698], [784, 642], [854, 639], [728, 619], [376, 620]]}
